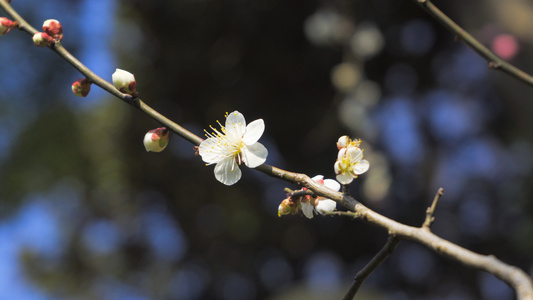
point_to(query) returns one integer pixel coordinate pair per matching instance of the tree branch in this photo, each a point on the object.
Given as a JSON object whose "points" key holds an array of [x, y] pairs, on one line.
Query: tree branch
{"points": [[495, 62], [380, 257], [513, 276], [105, 85], [431, 210]]}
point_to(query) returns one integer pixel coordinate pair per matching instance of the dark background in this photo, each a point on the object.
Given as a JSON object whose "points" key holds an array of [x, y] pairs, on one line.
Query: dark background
{"points": [[87, 213]]}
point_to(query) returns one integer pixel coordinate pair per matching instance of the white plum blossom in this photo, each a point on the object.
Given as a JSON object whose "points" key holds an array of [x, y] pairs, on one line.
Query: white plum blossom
{"points": [[234, 144], [321, 205], [350, 163]]}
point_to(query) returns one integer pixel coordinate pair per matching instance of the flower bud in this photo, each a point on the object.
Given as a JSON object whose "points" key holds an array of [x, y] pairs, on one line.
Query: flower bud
{"points": [[343, 142], [53, 28], [156, 140], [124, 81], [81, 87], [6, 25], [286, 207], [42, 39]]}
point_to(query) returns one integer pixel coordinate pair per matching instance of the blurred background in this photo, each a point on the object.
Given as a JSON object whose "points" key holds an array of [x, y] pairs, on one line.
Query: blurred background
{"points": [[87, 213]]}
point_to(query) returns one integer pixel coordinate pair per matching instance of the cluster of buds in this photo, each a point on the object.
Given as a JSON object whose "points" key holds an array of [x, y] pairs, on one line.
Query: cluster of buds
{"points": [[52, 32], [6, 25], [350, 162], [81, 87], [125, 82], [308, 203], [156, 140]]}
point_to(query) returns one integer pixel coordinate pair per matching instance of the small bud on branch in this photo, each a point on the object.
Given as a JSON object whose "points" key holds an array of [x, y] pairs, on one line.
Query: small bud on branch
{"points": [[6, 25], [81, 87], [125, 82], [156, 140], [53, 28], [42, 39]]}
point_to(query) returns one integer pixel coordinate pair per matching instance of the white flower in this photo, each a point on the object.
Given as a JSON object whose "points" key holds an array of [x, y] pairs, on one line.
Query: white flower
{"points": [[323, 205], [349, 164], [235, 144], [326, 205], [125, 82]]}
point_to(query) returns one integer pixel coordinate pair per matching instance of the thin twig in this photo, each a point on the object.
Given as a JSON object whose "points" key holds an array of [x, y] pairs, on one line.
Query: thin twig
{"points": [[97, 80], [23, 25], [513, 276], [495, 62], [431, 210], [380, 257]]}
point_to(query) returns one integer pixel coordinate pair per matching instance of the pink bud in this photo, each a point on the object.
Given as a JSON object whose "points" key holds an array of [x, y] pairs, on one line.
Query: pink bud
{"points": [[156, 140], [42, 39], [81, 87], [6, 25], [53, 28]]}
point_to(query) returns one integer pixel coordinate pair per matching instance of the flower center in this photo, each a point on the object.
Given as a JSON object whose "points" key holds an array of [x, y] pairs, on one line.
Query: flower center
{"points": [[227, 145]]}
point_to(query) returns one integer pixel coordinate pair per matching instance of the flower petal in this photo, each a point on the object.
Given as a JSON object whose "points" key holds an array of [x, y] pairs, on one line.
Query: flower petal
{"points": [[209, 151], [317, 177], [235, 125], [345, 178], [361, 167], [356, 153], [307, 209], [254, 155], [332, 184], [342, 152], [253, 132], [227, 171], [326, 205], [337, 167]]}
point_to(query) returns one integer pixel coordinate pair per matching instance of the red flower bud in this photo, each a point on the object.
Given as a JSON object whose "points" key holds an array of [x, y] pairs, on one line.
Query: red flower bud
{"points": [[6, 25], [81, 87], [53, 28]]}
